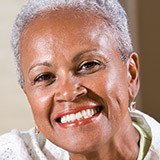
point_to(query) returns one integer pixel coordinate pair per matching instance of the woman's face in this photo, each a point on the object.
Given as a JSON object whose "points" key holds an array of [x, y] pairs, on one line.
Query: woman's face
{"points": [[75, 81]]}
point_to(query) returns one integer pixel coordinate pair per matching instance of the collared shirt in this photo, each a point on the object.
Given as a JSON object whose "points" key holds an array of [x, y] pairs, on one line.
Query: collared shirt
{"points": [[147, 148], [145, 136]]}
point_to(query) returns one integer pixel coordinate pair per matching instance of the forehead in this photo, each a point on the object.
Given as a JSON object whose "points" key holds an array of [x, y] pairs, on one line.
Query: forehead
{"points": [[65, 19], [69, 28]]}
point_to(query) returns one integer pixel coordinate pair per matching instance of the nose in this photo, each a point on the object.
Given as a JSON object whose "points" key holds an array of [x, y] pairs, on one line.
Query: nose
{"points": [[69, 91]]}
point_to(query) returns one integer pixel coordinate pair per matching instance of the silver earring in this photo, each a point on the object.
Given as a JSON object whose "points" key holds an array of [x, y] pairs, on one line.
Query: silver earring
{"points": [[37, 131], [132, 106]]}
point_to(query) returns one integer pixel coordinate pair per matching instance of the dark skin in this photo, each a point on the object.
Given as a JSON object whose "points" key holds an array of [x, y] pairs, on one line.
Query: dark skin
{"points": [[69, 64]]}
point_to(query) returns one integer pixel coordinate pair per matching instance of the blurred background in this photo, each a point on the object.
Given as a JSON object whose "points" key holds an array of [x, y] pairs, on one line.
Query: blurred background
{"points": [[144, 24]]}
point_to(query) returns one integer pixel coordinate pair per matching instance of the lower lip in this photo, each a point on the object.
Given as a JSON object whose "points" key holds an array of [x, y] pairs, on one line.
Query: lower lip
{"points": [[80, 122]]}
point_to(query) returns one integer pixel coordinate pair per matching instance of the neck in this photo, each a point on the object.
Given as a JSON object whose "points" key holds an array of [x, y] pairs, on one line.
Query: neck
{"points": [[123, 146]]}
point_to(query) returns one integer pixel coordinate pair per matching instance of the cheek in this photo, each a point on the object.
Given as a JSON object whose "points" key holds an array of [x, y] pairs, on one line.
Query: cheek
{"points": [[41, 104], [111, 85], [112, 89], [117, 94]]}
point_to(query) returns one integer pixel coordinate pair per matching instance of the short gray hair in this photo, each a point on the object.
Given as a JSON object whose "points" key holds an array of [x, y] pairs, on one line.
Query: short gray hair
{"points": [[109, 9]]}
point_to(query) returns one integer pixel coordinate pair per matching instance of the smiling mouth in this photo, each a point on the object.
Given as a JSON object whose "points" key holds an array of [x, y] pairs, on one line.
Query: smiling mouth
{"points": [[79, 118]]}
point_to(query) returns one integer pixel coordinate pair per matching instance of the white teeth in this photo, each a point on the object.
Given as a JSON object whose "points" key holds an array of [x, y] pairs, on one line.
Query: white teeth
{"points": [[88, 112], [63, 120], [72, 117], [84, 114], [68, 118], [78, 116]]}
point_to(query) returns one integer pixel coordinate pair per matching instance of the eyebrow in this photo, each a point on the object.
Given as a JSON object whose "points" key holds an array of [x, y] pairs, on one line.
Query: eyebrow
{"points": [[40, 64], [77, 56]]}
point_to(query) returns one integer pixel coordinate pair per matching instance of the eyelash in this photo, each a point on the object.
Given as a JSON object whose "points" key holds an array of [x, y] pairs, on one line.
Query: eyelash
{"points": [[45, 77], [90, 66], [86, 67]]}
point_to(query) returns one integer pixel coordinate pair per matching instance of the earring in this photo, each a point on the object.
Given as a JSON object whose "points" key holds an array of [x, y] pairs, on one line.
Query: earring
{"points": [[37, 131], [132, 106]]}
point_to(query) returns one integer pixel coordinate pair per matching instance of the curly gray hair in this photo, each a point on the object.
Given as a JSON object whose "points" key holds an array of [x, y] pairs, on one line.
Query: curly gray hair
{"points": [[109, 9]]}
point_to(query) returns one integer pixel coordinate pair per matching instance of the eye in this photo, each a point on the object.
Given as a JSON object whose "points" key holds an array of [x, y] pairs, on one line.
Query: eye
{"points": [[90, 66], [46, 78]]}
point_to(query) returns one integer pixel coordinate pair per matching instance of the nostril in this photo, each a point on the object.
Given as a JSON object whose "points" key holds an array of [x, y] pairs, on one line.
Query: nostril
{"points": [[69, 95], [81, 91]]}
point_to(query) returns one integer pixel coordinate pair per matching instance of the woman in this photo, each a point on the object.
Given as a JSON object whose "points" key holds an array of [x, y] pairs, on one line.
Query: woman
{"points": [[78, 70]]}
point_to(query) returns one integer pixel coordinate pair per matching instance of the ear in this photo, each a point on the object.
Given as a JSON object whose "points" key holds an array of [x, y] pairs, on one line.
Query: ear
{"points": [[133, 75]]}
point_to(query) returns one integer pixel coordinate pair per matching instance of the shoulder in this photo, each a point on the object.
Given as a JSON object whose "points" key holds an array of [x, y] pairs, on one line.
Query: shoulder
{"points": [[154, 153], [18, 145], [10, 144], [27, 145], [155, 129], [153, 126], [152, 123]]}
